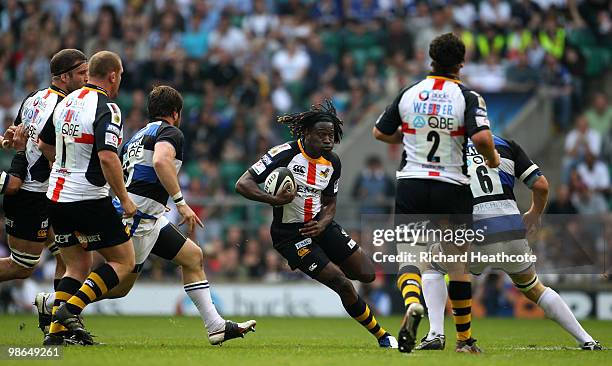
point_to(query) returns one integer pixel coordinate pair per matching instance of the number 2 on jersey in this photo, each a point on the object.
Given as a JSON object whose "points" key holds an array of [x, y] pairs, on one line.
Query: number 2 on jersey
{"points": [[435, 137]]}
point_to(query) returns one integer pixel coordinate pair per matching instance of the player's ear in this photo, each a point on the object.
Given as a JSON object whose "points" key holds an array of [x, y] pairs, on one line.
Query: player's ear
{"points": [[112, 77]]}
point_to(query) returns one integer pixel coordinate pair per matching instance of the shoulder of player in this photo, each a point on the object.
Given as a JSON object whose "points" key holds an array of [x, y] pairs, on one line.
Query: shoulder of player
{"points": [[333, 158], [287, 149]]}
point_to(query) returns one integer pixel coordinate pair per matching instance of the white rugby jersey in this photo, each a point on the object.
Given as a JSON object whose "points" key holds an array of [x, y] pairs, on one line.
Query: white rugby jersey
{"points": [[314, 178], [84, 123], [436, 115], [141, 180], [495, 209], [36, 110]]}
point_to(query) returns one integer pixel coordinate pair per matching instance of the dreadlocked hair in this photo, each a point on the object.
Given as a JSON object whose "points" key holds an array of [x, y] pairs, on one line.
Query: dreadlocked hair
{"points": [[299, 123]]}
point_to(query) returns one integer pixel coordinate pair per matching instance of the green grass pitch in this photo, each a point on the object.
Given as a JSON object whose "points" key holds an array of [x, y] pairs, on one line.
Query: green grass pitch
{"points": [[169, 340]]}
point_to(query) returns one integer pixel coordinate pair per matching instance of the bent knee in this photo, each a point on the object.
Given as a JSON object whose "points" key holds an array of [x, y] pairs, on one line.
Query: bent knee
{"points": [[190, 256]]}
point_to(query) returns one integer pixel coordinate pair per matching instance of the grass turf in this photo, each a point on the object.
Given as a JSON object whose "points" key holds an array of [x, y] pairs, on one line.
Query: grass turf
{"points": [[167, 340]]}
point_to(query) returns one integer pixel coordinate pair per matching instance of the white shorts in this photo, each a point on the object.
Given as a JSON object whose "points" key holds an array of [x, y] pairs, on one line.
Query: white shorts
{"points": [[480, 257], [519, 248], [144, 240]]}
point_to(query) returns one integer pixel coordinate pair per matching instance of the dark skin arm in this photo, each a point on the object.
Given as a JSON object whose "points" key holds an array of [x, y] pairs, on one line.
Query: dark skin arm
{"points": [[248, 188], [313, 228]]}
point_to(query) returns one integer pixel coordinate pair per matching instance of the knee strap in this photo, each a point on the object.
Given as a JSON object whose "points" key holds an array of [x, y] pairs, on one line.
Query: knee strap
{"points": [[25, 260], [528, 285]]}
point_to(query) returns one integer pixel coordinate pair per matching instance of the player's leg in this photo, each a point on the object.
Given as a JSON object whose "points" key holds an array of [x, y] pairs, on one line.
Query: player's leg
{"points": [[554, 307], [108, 236], [78, 263], [435, 295], [332, 276], [189, 256], [457, 200], [343, 251], [25, 255]]}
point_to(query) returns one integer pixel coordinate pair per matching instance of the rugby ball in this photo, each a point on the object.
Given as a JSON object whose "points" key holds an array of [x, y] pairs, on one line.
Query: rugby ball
{"points": [[279, 178]]}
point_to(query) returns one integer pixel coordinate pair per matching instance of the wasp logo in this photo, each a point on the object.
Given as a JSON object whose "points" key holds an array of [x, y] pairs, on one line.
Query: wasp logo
{"points": [[324, 173], [302, 252]]}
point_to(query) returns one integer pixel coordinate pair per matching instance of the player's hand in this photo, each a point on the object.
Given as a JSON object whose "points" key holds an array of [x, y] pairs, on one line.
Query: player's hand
{"points": [[20, 138], [494, 163], [284, 196], [532, 222], [188, 217], [312, 228], [129, 207]]}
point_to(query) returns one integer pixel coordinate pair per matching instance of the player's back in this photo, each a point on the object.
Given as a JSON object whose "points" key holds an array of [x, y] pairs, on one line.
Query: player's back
{"points": [[437, 115], [35, 110], [85, 122], [495, 207], [141, 180]]}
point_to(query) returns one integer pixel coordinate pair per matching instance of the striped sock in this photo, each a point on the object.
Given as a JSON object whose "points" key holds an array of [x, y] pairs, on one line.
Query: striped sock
{"points": [[97, 284], [64, 290], [360, 311], [409, 284], [199, 293], [460, 294]]}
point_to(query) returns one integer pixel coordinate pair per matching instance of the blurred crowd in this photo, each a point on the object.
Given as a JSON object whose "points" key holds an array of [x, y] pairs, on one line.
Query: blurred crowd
{"points": [[241, 63]]}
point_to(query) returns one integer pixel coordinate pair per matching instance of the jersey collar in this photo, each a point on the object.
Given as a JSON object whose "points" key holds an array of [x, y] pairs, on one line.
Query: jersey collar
{"points": [[95, 88], [320, 160], [443, 77], [57, 90]]}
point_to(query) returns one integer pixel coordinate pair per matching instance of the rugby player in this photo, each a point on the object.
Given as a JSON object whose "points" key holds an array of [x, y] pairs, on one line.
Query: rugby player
{"points": [[496, 212], [151, 160], [303, 230], [88, 129], [433, 119], [25, 202]]}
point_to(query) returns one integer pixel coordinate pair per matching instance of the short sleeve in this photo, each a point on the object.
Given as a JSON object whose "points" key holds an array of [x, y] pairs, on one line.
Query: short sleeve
{"points": [[108, 129], [475, 117], [47, 134], [524, 169], [390, 119], [276, 157], [334, 183], [174, 137]]}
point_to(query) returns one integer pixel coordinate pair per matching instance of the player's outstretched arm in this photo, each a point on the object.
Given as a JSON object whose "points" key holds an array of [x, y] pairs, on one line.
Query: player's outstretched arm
{"points": [[539, 198], [483, 142], [163, 163], [247, 187]]}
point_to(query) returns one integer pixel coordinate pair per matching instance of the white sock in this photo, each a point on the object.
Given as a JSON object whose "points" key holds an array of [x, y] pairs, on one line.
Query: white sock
{"points": [[557, 310], [199, 293], [435, 294]]}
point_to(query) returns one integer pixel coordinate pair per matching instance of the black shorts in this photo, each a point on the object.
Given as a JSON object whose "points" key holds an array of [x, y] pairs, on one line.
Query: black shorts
{"points": [[433, 197], [93, 224], [311, 255], [27, 215]]}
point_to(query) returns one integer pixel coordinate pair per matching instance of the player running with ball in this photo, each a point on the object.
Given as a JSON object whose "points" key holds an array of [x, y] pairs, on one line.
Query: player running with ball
{"points": [[303, 229]]}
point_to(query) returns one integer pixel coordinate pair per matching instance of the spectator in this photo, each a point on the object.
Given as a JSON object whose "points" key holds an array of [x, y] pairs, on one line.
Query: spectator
{"points": [[594, 174], [579, 142], [495, 12], [559, 81], [227, 38], [588, 202], [261, 22], [521, 76], [562, 204], [464, 13], [599, 115], [292, 62], [373, 188], [439, 25]]}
